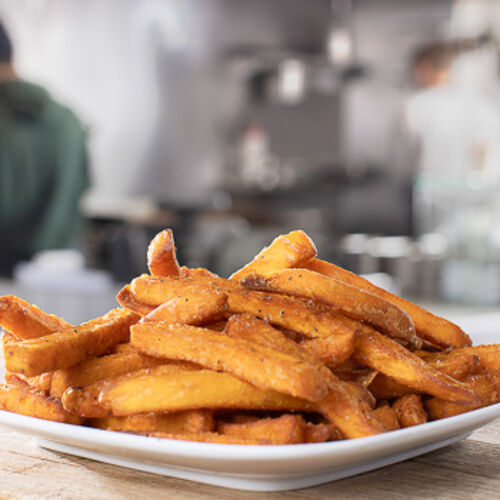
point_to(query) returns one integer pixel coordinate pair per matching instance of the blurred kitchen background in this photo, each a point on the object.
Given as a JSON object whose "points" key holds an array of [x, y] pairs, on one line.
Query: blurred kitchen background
{"points": [[232, 121]]}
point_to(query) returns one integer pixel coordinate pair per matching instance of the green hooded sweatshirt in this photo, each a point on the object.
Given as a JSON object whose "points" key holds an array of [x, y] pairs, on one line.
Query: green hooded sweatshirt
{"points": [[43, 172]]}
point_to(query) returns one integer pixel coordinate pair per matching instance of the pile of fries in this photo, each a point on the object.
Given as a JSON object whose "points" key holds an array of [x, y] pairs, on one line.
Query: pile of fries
{"points": [[290, 349]]}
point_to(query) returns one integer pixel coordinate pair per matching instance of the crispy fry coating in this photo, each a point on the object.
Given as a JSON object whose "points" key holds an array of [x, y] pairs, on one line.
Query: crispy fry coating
{"points": [[348, 411], [487, 386], [190, 421], [247, 327], [30, 402], [488, 357], [41, 382], [388, 417], [332, 350], [434, 329], [27, 321], [410, 411], [286, 429], [197, 271], [155, 291], [185, 390], [208, 437], [319, 433], [458, 366], [352, 301], [162, 259], [388, 357], [191, 309], [294, 313], [288, 250], [94, 369], [126, 299], [262, 366], [85, 400], [69, 347]]}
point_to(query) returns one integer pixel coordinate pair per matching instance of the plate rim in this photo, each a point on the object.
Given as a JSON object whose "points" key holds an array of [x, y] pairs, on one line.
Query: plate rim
{"points": [[193, 449]]}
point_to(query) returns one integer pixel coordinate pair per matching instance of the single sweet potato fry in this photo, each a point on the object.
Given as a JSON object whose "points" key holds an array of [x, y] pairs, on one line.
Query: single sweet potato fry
{"points": [[288, 250], [191, 309], [85, 401], [185, 390], [94, 369], [435, 330], [488, 357], [190, 421], [162, 260], [352, 301], [155, 291], [39, 382], [388, 357], [286, 429], [294, 313], [262, 366], [118, 348], [487, 386], [384, 387], [208, 437], [349, 412], [388, 417], [197, 271], [30, 402], [247, 327], [332, 350], [458, 366], [319, 433], [27, 321], [69, 347], [126, 299], [410, 411]]}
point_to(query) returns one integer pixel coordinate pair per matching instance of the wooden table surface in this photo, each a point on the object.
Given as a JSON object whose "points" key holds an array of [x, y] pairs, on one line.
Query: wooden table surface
{"points": [[466, 470]]}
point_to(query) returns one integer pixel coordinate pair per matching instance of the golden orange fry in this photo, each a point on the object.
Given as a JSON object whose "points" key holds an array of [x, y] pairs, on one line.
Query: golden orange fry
{"points": [[191, 309], [30, 402], [162, 259], [388, 417], [208, 437], [434, 329], [410, 411], [126, 299], [262, 366], [247, 327], [332, 350], [69, 347], [457, 366], [286, 429], [352, 301], [155, 291], [287, 250], [94, 369], [487, 386], [190, 421], [26, 320], [200, 389], [294, 313], [85, 400], [348, 411], [388, 357]]}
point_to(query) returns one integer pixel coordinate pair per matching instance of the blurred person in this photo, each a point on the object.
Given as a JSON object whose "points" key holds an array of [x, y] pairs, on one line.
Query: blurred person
{"points": [[450, 136], [43, 167]]}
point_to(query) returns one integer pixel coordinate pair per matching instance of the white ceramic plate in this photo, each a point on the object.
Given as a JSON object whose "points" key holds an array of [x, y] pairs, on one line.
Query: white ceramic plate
{"points": [[259, 468]]}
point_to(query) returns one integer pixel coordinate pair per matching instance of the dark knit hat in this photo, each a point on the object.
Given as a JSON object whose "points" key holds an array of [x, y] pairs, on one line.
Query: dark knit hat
{"points": [[5, 45]]}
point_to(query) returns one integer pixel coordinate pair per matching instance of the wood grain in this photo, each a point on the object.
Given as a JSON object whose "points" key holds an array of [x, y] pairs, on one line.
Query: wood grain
{"points": [[466, 470]]}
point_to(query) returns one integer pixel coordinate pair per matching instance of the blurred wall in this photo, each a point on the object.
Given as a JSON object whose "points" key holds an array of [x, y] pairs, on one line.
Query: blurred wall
{"points": [[150, 79]]}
